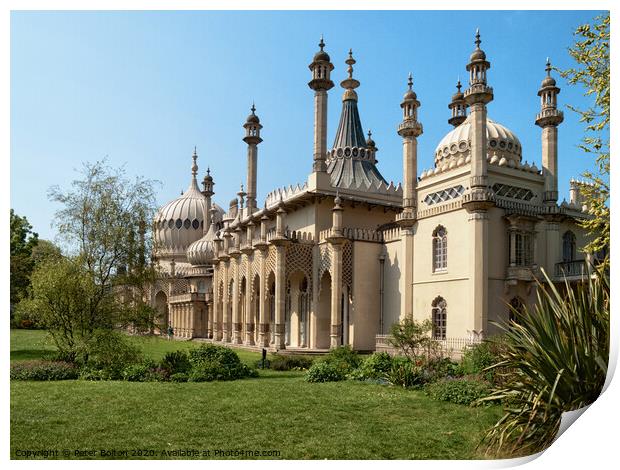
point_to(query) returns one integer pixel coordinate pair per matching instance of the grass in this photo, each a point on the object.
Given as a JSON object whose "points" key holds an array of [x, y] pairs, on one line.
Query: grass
{"points": [[278, 411]]}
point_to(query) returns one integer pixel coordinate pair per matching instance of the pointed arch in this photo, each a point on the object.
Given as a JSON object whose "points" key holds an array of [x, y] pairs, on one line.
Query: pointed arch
{"points": [[569, 246], [439, 314], [440, 249]]}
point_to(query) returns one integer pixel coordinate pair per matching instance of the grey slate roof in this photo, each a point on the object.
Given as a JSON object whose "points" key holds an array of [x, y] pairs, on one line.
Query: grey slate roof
{"points": [[350, 164]]}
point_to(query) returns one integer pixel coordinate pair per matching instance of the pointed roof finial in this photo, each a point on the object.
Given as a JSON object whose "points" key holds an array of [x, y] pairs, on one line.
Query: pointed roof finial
{"points": [[548, 68], [253, 108], [477, 41], [350, 61], [458, 84], [321, 44], [194, 165], [208, 171], [410, 81], [369, 134]]}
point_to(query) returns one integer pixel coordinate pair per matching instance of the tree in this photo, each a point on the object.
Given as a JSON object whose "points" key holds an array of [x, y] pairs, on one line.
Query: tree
{"points": [[591, 53], [44, 250], [23, 240], [412, 338], [99, 285]]}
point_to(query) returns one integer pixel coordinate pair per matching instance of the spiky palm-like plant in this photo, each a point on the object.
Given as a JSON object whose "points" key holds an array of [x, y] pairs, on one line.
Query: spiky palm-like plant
{"points": [[554, 359]]}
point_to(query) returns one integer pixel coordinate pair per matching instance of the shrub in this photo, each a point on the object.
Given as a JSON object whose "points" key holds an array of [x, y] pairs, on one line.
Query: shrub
{"points": [[345, 356], [211, 362], [145, 371], [43, 370], [110, 351], [478, 357], [375, 367], [555, 360], [88, 373], [406, 373], [444, 367], [290, 362], [176, 362], [179, 377], [461, 391], [325, 371], [412, 338]]}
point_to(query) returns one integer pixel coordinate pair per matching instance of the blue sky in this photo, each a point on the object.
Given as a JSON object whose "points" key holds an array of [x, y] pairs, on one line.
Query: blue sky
{"points": [[143, 88]]}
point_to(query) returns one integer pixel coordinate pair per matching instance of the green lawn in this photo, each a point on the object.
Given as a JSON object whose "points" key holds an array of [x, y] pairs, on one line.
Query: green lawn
{"points": [[278, 411]]}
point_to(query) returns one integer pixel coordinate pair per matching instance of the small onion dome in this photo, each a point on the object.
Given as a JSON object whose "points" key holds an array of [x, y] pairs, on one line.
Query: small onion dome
{"points": [[202, 251], [478, 53], [321, 55], [253, 118], [548, 81], [410, 94], [369, 142]]}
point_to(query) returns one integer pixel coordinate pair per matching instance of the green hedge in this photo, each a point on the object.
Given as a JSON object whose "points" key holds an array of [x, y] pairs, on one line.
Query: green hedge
{"points": [[43, 370]]}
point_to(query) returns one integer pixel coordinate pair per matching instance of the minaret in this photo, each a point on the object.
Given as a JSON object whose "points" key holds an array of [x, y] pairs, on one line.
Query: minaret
{"points": [[478, 199], [252, 138], [548, 119], [321, 68], [458, 106], [207, 190], [477, 96], [409, 129]]}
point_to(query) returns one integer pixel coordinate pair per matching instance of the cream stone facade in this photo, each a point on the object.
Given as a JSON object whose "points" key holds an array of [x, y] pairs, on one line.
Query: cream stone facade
{"points": [[340, 258]]}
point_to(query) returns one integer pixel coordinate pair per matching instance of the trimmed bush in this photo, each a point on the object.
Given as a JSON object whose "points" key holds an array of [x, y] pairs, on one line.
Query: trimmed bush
{"points": [[290, 362], [375, 367], [324, 371], [210, 362], [43, 370], [461, 391]]}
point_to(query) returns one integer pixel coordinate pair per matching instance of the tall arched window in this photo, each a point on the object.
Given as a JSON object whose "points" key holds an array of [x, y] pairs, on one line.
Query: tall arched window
{"points": [[440, 249], [569, 246], [440, 318]]}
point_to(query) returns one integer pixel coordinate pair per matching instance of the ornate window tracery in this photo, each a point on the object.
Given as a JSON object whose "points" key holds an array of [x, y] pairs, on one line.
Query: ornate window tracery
{"points": [[440, 249], [440, 318]]}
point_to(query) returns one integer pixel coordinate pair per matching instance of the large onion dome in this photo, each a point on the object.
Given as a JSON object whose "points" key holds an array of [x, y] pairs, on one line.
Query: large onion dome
{"points": [[502, 145], [181, 222]]}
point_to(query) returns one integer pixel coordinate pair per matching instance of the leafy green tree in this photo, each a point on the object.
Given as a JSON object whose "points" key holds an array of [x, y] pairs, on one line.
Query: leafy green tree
{"points": [[23, 240], [45, 250], [591, 54], [412, 338], [99, 285]]}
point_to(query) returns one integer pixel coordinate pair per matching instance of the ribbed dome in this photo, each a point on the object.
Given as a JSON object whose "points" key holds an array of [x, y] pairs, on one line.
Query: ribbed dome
{"points": [[180, 222], [502, 143], [201, 252]]}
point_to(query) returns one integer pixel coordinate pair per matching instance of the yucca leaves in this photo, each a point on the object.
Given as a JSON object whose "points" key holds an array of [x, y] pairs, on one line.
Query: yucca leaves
{"points": [[553, 359]]}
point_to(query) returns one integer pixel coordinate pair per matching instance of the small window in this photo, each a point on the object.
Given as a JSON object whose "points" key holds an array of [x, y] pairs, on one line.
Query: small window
{"points": [[170, 223], [195, 224], [569, 246], [440, 249], [179, 223], [440, 318], [187, 224]]}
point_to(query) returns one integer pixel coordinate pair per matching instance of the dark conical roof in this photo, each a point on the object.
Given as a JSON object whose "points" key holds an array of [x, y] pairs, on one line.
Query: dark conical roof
{"points": [[350, 132]]}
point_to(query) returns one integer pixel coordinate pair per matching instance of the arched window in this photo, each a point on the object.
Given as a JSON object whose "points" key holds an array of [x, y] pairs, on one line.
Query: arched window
{"points": [[440, 249], [516, 310], [440, 318], [569, 246]]}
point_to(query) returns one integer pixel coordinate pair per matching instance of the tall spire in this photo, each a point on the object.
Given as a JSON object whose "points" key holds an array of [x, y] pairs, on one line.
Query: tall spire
{"points": [[320, 83], [351, 162], [549, 118], [252, 138]]}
